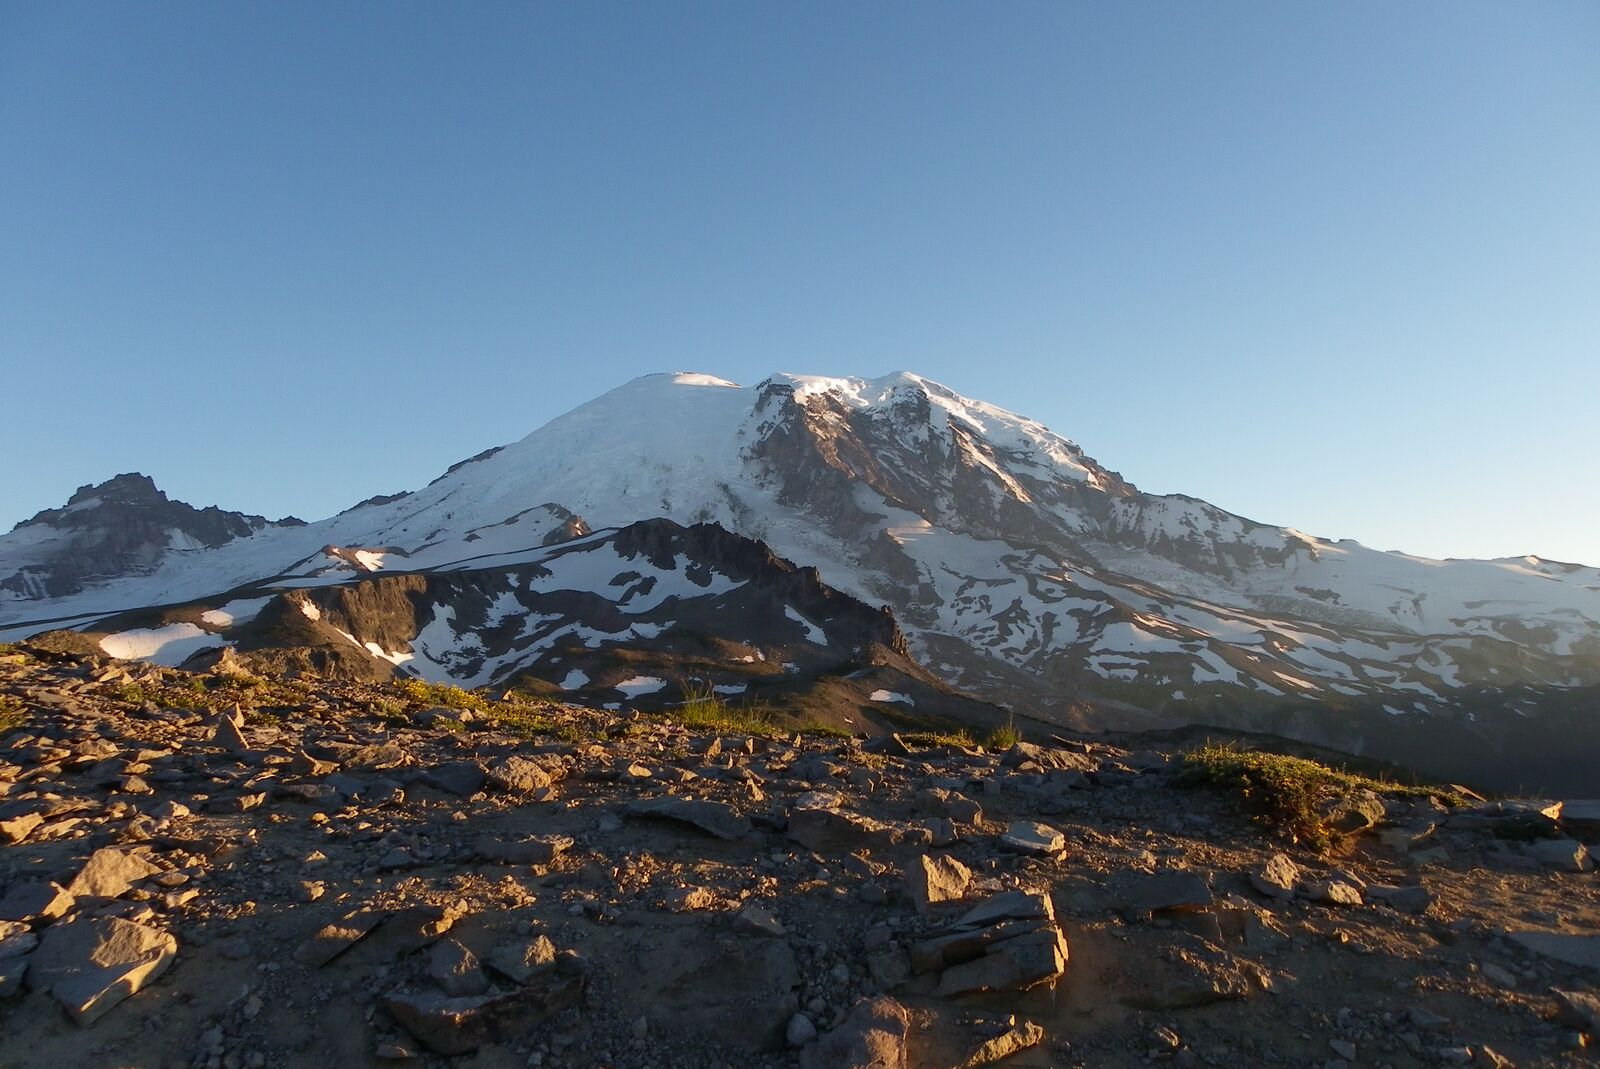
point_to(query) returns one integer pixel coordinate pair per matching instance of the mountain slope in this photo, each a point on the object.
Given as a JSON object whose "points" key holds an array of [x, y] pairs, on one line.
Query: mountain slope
{"points": [[1020, 568]]}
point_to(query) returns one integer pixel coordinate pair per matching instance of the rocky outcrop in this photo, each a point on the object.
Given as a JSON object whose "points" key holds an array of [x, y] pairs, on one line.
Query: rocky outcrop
{"points": [[123, 526]]}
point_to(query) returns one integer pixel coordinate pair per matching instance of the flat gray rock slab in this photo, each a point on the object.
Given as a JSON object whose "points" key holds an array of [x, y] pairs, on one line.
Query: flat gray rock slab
{"points": [[1580, 950], [334, 939], [90, 965], [1030, 837], [35, 900], [713, 818], [1579, 1009], [111, 873], [1168, 890], [1581, 816]]}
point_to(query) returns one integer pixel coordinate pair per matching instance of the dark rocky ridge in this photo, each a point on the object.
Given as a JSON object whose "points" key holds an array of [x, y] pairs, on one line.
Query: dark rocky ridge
{"points": [[744, 639], [122, 527]]}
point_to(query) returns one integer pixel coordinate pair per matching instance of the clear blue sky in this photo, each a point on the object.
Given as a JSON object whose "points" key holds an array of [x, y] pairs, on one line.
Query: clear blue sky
{"points": [[1331, 266]]}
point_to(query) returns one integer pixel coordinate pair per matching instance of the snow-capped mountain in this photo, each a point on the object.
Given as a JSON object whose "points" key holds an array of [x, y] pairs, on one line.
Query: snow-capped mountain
{"points": [[1019, 568]]}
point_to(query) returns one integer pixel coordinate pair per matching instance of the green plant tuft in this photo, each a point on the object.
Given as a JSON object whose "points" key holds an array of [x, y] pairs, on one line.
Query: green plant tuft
{"points": [[1290, 794], [12, 713], [422, 693], [1003, 737]]}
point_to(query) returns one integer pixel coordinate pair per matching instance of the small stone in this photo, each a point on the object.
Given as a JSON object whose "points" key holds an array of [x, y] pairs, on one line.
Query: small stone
{"points": [[1580, 1009], [521, 774], [758, 921], [1170, 890], [1562, 855], [800, 1030], [1003, 1046], [933, 880], [1415, 899], [456, 970], [1277, 878], [521, 960], [226, 732], [1497, 975], [1425, 1019], [1343, 1048], [1333, 893], [111, 873], [1029, 837], [688, 899], [19, 827]]}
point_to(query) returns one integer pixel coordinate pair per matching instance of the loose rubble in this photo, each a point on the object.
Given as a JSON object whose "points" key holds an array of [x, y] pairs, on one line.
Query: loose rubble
{"points": [[300, 875]]}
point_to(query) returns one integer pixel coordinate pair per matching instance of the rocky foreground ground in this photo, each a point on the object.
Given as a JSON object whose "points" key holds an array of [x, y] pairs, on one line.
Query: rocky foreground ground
{"points": [[348, 875]]}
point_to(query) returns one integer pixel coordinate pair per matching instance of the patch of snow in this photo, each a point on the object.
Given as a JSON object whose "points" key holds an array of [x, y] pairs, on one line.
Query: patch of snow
{"points": [[234, 613], [575, 679], [370, 559], [813, 632], [168, 646], [891, 696], [637, 686]]}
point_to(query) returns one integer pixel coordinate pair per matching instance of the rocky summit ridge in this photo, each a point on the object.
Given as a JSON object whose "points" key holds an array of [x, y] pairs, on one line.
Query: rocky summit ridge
{"points": [[224, 869], [1020, 570]]}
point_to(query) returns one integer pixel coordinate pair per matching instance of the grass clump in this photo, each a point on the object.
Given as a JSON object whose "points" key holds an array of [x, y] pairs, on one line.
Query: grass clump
{"points": [[12, 714], [959, 737], [128, 693], [704, 709], [1293, 795], [530, 722], [1003, 737]]}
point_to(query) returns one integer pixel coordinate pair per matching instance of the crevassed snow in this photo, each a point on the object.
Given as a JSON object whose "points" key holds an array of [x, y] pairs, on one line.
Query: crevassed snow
{"points": [[170, 645]]}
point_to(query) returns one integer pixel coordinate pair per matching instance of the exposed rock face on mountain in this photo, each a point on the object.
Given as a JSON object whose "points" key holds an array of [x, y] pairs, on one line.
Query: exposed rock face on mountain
{"points": [[122, 527], [646, 615], [1020, 569]]}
